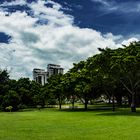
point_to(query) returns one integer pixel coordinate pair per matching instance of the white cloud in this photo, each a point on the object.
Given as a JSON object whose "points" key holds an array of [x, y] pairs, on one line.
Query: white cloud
{"points": [[104, 2], [114, 6], [130, 40], [16, 2], [59, 42]]}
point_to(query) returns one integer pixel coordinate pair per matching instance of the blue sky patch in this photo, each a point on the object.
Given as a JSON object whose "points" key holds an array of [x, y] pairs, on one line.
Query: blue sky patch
{"points": [[62, 31], [4, 38], [116, 16]]}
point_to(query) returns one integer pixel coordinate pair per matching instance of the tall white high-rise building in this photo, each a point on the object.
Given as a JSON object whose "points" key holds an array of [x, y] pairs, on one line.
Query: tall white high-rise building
{"points": [[54, 69], [41, 76]]}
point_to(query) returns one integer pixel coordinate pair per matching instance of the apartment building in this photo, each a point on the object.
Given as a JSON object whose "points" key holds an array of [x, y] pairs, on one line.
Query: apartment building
{"points": [[41, 76]]}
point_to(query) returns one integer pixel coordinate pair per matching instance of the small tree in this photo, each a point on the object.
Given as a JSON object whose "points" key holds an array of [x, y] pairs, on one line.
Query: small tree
{"points": [[9, 108], [11, 99]]}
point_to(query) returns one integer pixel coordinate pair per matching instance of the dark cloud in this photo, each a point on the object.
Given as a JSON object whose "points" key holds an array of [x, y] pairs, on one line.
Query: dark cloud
{"points": [[29, 38]]}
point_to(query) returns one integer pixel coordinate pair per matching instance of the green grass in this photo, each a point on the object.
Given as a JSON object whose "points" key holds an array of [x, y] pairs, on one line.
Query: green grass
{"points": [[52, 124]]}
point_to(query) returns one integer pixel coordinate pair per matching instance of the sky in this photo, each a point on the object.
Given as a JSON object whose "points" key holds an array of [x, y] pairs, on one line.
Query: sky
{"points": [[35, 33]]}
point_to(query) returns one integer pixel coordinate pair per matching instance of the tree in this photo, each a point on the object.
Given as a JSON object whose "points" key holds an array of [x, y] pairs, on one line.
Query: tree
{"points": [[9, 108], [11, 99], [24, 83], [69, 83], [82, 82], [122, 66], [38, 96], [4, 76], [24, 91], [55, 86], [103, 63], [128, 63]]}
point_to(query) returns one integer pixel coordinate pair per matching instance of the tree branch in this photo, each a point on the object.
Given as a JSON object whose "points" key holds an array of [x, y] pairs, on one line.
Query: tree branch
{"points": [[136, 83], [126, 87]]}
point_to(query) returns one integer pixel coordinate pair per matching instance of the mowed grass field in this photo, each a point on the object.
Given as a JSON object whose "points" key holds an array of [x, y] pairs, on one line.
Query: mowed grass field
{"points": [[52, 124]]}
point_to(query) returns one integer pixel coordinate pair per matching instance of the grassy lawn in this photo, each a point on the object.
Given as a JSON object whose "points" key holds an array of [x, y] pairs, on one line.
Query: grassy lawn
{"points": [[52, 124]]}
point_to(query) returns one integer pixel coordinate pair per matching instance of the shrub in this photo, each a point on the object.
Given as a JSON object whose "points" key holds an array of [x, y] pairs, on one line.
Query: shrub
{"points": [[9, 108], [22, 106]]}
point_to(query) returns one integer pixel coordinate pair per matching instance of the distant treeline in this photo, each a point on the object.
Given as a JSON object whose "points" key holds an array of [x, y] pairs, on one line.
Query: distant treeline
{"points": [[113, 74]]}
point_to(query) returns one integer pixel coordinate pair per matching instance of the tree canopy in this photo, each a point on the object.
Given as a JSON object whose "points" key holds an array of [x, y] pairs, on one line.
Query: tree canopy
{"points": [[113, 73]]}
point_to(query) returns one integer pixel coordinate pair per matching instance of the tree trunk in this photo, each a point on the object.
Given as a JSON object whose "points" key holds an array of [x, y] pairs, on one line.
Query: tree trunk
{"points": [[109, 100], [119, 98], [109, 97], [59, 102], [73, 99], [133, 107], [60, 106], [113, 103], [85, 106], [86, 103], [129, 100]]}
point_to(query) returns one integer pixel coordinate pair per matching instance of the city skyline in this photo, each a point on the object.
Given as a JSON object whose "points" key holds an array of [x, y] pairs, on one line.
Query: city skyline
{"points": [[41, 75]]}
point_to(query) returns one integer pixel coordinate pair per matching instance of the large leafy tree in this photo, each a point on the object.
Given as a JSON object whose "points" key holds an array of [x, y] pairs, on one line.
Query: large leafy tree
{"points": [[83, 82], [83, 88], [121, 66], [69, 83], [103, 65], [38, 94], [55, 86], [24, 92], [127, 64], [4, 78]]}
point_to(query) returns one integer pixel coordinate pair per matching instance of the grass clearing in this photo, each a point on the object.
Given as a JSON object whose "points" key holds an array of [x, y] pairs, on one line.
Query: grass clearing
{"points": [[52, 124]]}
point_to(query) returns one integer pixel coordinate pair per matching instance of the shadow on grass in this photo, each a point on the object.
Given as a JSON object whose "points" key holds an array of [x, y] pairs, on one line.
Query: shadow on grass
{"points": [[120, 113], [106, 111], [89, 109], [98, 110]]}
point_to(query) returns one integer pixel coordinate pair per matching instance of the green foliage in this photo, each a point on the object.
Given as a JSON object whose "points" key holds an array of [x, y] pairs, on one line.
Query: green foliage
{"points": [[9, 108], [56, 88], [114, 73], [4, 76], [11, 99]]}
